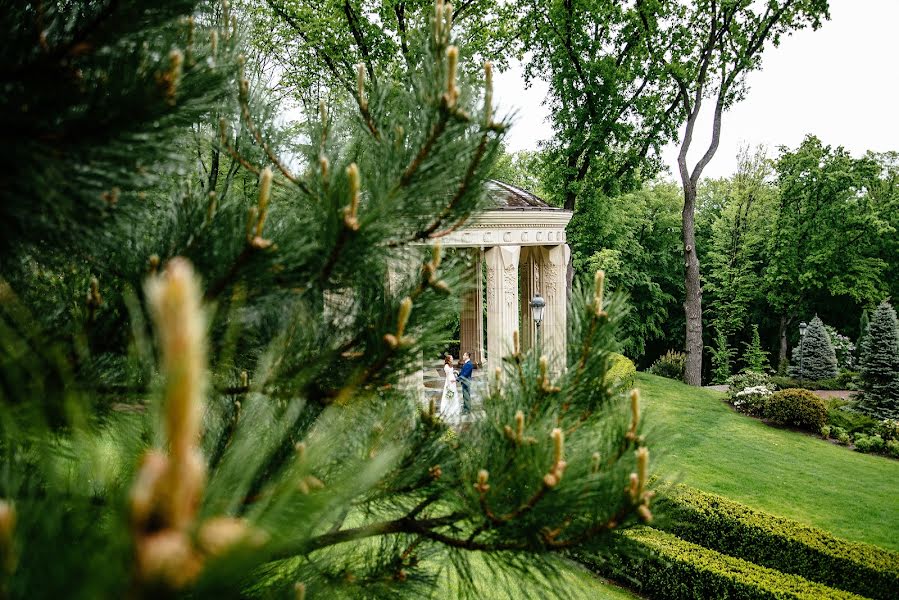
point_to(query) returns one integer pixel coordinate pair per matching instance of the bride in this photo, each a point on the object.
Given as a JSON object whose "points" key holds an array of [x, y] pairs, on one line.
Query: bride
{"points": [[450, 403]]}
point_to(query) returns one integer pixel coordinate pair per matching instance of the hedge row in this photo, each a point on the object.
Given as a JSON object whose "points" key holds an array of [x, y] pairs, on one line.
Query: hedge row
{"points": [[781, 544], [664, 566]]}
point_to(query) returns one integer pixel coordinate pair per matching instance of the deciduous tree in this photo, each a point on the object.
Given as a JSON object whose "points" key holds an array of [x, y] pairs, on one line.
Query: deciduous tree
{"points": [[708, 48]]}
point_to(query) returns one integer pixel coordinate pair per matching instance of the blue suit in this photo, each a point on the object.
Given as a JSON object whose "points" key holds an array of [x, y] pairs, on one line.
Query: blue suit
{"points": [[465, 377]]}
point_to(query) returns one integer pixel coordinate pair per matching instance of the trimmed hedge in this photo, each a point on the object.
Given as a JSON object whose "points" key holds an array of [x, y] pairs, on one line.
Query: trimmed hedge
{"points": [[676, 569], [796, 408], [621, 370], [779, 543]]}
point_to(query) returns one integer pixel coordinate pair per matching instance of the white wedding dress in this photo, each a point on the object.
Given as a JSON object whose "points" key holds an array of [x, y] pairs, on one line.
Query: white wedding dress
{"points": [[450, 401]]}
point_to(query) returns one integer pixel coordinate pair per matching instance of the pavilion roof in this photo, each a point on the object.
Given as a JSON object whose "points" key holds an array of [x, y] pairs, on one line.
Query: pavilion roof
{"points": [[509, 197]]}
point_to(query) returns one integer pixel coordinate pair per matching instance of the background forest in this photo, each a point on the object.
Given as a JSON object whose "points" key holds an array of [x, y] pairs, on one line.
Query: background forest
{"points": [[794, 233]]}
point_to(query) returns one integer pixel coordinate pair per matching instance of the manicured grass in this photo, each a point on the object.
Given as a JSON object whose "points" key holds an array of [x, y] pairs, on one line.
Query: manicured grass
{"points": [[697, 439], [577, 582]]}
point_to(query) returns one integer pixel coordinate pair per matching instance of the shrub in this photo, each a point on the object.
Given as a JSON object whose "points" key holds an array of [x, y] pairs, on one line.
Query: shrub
{"points": [[892, 448], [840, 415], [843, 347], [888, 429], [840, 435], [748, 391], [868, 443], [747, 379], [814, 357], [843, 381], [796, 408], [825, 431], [751, 401], [672, 365], [754, 358], [674, 568], [779, 543], [621, 371], [879, 365]]}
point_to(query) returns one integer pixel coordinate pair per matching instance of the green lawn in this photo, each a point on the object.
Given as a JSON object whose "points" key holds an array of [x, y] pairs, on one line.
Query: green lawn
{"points": [[579, 583], [697, 439]]}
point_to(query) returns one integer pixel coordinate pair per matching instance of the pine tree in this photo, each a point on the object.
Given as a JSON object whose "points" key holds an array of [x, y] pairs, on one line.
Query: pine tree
{"points": [[202, 384], [879, 365], [814, 358], [754, 358], [722, 354], [863, 323]]}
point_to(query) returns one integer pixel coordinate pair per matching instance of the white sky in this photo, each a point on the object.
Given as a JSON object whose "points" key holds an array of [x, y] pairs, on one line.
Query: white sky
{"points": [[840, 83]]}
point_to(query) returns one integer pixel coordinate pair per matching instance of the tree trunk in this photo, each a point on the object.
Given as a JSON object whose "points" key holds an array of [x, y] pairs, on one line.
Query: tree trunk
{"points": [[782, 354], [693, 301]]}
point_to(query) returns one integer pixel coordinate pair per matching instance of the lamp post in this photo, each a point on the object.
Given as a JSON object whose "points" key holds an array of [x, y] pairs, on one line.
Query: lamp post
{"points": [[802, 327], [537, 306]]}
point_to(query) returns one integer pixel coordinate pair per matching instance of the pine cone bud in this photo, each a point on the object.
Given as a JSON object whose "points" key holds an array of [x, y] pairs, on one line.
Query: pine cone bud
{"points": [[599, 284], [642, 466], [265, 190], [218, 535], [452, 62], [403, 317], [481, 486], [558, 445]]}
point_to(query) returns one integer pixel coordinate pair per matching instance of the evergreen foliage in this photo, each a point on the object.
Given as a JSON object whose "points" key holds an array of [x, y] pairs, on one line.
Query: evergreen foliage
{"points": [[722, 354], [879, 365], [754, 358], [814, 358], [202, 384]]}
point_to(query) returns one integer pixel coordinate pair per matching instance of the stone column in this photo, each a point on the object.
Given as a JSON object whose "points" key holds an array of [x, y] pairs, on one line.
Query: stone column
{"points": [[398, 269], [530, 285], [502, 302], [553, 283], [471, 327]]}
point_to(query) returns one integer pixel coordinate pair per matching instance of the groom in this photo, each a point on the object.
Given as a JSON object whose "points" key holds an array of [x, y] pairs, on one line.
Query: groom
{"points": [[465, 378]]}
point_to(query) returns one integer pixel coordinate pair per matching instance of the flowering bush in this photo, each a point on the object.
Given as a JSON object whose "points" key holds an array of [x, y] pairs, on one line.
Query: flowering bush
{"points": [[738, 383], [752, 400], [843, 347]]}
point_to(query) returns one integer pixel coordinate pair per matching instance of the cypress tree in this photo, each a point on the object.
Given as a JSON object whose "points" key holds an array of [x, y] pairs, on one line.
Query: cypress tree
{"points": [[754, 358], [722, 354], [204, 386], [879, 365], [814, 358], [863, 323]]}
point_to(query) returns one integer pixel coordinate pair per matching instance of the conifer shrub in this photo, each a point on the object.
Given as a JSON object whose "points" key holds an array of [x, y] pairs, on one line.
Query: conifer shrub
{"points": [[754, 358], [814, 357], [796, 408], [672, 365], [721, 355], [878, 380]]}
